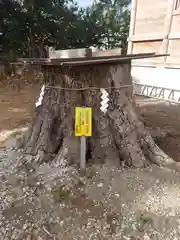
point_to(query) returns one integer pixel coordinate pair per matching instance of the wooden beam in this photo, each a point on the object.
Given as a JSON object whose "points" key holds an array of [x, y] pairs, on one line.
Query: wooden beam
{"points": [[174, 36], [70, 53], [176, 12], [110, 52], [167, 27], [132, 26], [153, 36]]}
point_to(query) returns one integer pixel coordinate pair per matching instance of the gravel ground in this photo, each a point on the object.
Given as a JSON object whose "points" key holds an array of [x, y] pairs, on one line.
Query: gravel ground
{"points": [[54, 202]]}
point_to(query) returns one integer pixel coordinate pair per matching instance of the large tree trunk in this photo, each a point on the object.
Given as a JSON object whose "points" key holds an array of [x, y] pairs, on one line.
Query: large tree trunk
{"points": [[118, 135]]}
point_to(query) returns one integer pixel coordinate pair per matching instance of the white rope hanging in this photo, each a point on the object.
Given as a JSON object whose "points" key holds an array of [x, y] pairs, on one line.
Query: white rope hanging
{"points": [[88, 88], [40, 99]]}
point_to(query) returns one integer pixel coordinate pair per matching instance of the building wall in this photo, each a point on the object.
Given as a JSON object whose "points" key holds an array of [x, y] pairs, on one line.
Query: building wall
{"points": [[155, 27], [150, 17], [174, 39], [148, 78]]}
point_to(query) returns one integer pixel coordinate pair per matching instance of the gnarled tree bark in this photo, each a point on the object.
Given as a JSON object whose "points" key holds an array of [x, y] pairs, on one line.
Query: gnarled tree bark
{"points": [[119, 137]]}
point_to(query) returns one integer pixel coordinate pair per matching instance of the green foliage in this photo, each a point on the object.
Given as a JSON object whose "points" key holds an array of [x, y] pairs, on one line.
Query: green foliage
{"points": [[112, 17], [30, 26]]}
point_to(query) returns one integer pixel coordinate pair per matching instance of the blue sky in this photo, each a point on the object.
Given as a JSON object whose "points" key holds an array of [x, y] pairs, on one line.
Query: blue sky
{"points": [[84, 3]]}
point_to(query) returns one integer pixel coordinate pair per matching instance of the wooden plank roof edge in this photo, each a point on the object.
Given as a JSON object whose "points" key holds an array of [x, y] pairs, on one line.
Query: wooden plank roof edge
{"points": [[86, 61], [81, 58], [98, 58]]}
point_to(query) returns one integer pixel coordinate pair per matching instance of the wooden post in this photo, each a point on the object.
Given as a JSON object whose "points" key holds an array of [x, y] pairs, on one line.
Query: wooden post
{"points": [[131, 34], [83, 155], [167, 27], [132, 26], [83, 129]]}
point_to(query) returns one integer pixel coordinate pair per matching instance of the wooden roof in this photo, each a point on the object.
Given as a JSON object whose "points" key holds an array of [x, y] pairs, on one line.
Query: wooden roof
{"points": [[86, 60]]}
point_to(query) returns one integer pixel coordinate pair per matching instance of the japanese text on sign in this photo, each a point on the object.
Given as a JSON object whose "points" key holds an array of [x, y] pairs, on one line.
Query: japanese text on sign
{"points": [[83, 121]]}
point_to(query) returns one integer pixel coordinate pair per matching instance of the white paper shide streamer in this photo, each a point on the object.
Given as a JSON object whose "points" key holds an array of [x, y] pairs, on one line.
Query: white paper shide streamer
{"points": [[105, 100], [39, 102]]}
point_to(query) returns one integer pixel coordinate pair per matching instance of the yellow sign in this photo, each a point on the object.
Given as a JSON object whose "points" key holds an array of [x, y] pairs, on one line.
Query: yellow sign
{"points": [[83, 122]]}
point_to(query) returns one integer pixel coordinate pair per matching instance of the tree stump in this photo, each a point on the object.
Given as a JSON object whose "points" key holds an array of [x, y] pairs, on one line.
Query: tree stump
{"points": [[119, 137]]}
